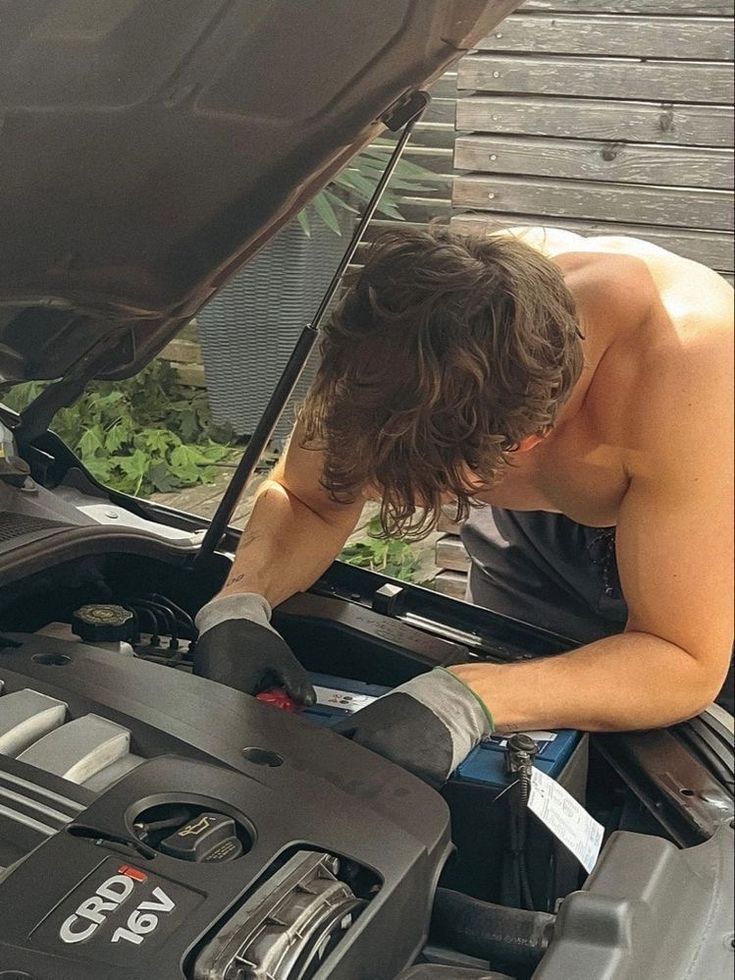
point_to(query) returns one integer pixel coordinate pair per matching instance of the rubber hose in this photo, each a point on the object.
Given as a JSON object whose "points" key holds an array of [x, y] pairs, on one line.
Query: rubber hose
{"points": [[507, 937]]}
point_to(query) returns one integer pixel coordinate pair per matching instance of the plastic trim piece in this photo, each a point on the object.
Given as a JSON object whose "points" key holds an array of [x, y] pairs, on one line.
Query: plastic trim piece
{"points": [[648, 910], [80, 749], [25, 717]]}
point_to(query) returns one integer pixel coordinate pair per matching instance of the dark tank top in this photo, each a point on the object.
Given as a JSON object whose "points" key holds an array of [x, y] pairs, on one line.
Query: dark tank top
{"points": [[546, 570], [549, 571]]}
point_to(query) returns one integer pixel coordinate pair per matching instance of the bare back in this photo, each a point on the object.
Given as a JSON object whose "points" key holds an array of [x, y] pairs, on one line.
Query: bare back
{"points": [[646, 313]]}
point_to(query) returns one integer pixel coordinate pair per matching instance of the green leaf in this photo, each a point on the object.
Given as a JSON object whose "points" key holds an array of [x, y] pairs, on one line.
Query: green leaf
{"points": [[411, 186], [159, 441], [162, 479], [339, 202], [135, 466], [390, 556], [109, 402], [363, 185], [324, 209], [19, 397], [118, 435], [100, 468], [303, 217], [389, 210], [190, 465], [188, 423], [213, 452], [91, 443]]}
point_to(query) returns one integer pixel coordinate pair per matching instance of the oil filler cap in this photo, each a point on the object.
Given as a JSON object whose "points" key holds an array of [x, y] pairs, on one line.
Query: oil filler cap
{"points": [[103, 623], [206, 838]]}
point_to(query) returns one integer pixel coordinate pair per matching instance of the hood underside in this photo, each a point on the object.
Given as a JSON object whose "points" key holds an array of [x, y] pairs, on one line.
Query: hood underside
{"points": [[149, 148]]}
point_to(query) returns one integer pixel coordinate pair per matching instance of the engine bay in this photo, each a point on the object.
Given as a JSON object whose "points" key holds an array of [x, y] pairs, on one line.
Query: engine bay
{"points": [[156, 824], [207, 800]]}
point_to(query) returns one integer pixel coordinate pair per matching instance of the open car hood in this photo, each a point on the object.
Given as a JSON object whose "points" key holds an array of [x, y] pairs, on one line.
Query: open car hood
{"points": [[149, 148]]}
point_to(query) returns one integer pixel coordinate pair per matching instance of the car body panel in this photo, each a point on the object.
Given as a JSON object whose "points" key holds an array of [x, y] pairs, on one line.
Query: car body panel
{"points": [[146, 156]]}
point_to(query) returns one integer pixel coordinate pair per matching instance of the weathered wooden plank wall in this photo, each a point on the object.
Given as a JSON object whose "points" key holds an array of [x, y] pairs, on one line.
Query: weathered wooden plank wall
{"points": [[603, 117]]}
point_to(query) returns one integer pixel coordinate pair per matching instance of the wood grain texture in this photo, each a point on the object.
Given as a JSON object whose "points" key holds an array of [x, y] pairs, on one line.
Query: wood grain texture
{"points": [[712, 248], [688, 38], [445, 87], [451, 554], [439, 111], [643, 122], [436, 134], [672, 81], [450, 583], [422, 210], [597, 200], [720, 8], [677, 166]]}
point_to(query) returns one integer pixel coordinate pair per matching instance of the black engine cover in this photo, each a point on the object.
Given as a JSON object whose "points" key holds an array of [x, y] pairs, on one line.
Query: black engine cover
{"points": [[298, 787]]}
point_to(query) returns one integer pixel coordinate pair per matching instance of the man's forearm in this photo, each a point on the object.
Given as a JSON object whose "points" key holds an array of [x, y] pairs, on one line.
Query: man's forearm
{"points": [[285, 546], [626, 682]]}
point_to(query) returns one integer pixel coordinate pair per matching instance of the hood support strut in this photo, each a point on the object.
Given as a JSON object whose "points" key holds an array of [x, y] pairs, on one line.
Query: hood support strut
{"points": [[403, 115]]}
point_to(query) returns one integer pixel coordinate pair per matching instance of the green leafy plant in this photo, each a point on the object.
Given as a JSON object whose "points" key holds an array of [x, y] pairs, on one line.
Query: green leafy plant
{"points": [[354, 186], [389, 556], [144, 434]]}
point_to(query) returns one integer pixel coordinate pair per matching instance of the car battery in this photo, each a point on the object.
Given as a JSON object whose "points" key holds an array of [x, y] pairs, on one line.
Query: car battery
{"points": [[478, 798], [338, 697]]}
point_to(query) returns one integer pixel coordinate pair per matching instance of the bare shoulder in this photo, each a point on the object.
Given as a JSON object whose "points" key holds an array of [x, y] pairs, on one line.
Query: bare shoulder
{"points": [[682, 404], [558, 241], [549, 241], [680, 281]]}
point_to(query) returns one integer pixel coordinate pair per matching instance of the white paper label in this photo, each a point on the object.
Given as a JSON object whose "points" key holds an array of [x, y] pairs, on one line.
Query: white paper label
{"points": [[566, 819], [333, 698]]}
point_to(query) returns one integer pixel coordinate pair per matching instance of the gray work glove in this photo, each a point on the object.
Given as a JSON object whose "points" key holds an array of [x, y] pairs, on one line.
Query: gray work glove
{"points": [[237, 646], [428, 725]]}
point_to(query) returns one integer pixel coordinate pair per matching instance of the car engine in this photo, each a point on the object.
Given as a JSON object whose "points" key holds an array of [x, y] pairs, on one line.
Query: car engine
{"points": [[154, 824]]}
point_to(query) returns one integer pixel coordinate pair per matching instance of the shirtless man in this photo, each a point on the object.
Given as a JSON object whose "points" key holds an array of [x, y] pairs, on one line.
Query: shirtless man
{"points": [[580, 387]]}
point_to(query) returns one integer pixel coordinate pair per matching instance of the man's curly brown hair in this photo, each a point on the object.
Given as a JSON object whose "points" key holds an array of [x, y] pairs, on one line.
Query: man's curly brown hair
{"points": [[445, 351]]}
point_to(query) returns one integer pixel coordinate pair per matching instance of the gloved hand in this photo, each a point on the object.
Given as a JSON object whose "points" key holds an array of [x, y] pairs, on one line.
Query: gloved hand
{"points": [[238, 646], [428, 725]]}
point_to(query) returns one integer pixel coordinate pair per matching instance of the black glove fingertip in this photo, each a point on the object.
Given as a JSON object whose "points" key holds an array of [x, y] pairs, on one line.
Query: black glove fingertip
{"points": [[302, 692]]}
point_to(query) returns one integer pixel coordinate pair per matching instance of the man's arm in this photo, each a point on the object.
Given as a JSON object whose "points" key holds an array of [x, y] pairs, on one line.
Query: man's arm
{"points": [[295, 531], [674, 548]]}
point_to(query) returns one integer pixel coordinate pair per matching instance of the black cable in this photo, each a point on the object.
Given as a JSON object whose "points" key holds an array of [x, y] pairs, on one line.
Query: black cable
{"points": [[182, 616], [524, 791], [106, 837], [167, 617], [521, 751], [136, 626], [526, 893], [142, 613]]}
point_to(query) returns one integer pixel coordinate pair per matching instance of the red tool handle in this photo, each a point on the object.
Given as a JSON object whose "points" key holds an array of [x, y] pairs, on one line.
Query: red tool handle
{"points": [[278, 698]]}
